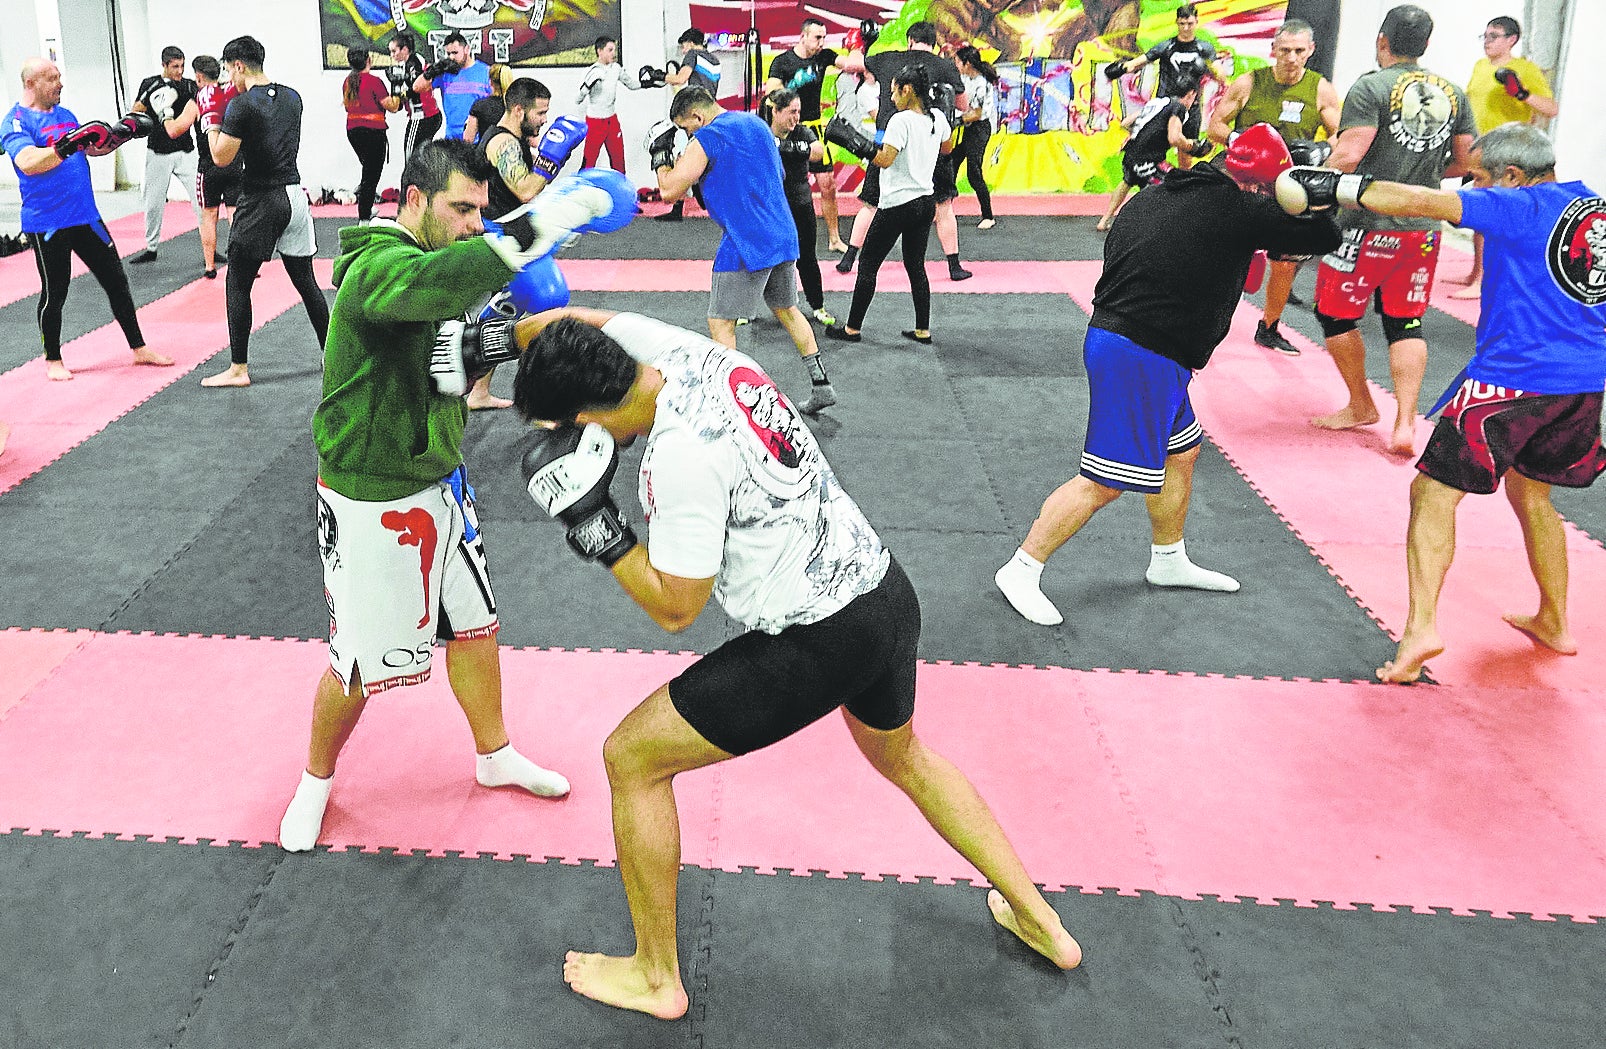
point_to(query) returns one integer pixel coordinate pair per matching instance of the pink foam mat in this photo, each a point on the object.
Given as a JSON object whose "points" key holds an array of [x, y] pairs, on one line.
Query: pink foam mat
{"points": [[190, 325], [634, 275], [1348, 500], [1177, 784], [19, 274]]}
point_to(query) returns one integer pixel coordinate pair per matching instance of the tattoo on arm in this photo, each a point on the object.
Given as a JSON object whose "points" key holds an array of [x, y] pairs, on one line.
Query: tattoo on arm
{"points": [[510, 164]]}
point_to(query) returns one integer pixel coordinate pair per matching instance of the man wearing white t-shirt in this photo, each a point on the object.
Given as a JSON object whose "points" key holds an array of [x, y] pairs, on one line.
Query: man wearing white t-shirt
{"points": [[742, 507]]}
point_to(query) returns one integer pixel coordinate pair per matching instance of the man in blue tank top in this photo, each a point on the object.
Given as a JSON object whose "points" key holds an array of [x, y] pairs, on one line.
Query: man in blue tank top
{"points": [[734, 156]]}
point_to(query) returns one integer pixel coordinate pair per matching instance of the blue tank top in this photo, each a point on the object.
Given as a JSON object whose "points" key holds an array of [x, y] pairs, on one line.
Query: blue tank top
{"points": [[744, 192], [459, 92], [62, 196]]}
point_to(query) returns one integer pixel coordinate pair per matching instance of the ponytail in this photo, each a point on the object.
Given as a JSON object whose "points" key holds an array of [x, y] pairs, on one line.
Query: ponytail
{"points": [[357, 59], [971, 56]]}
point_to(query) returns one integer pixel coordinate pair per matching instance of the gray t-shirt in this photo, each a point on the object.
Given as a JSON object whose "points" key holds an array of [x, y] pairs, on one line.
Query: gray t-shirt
{"points": [[1416, 113]]}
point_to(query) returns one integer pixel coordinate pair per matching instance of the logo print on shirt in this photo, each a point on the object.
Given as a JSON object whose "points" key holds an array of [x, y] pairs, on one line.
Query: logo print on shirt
{"points": [[1577, 251], [415, 527], [768, 414], [1422, 110]]}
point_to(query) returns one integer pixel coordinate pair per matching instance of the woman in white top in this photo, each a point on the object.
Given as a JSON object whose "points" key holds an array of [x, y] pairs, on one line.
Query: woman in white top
{"points": [[914, 138], [982, 93], [599, 87]]}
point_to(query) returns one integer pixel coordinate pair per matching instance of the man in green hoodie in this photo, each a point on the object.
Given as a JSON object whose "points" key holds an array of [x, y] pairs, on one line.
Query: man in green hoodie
{"points": [[403, 560]]}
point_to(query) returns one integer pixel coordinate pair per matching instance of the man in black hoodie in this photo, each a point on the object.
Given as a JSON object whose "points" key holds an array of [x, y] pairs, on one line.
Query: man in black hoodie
{"points": [[1174, 270]]}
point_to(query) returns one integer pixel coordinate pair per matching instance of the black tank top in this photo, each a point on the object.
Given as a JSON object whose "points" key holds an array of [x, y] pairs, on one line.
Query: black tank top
{"points": [[500, 199]]}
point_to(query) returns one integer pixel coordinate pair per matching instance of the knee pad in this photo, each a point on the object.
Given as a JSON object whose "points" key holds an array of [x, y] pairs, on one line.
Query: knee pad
{"points": [[1332, 326], [1397, 328]]}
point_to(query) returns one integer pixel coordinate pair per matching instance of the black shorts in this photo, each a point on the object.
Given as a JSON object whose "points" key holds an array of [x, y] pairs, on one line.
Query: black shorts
{"points": [[1138, 172], [870, 192], [1486, 430], [944, 184], [216, 186], [759, 688]]}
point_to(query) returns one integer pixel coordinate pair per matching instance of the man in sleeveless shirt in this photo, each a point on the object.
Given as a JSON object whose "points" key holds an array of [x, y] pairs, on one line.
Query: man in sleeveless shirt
{"points": [[1298, 102]]}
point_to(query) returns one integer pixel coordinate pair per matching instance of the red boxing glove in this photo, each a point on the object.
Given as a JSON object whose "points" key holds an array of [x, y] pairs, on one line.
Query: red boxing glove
{"points": [[1258, 155], [93, 138], [213, 101], [1509, 80]]}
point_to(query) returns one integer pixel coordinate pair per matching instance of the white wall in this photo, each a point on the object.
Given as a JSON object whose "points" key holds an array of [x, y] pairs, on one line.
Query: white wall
{"points": [[1580, 132], [1456, 44]]}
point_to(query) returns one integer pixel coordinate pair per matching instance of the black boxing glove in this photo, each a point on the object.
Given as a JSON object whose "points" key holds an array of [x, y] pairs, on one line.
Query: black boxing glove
{"points": [[568, 474], [1301, 189], [440, 67], [1115, 70], [839, 132]]}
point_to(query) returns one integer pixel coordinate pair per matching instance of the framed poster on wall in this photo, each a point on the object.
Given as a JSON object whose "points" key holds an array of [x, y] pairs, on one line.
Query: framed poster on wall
{"points": [[502, 32]]}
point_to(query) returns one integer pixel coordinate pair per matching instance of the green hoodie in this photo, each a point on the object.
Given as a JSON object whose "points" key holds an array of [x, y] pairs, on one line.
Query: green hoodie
{"points": [[383, 431]]}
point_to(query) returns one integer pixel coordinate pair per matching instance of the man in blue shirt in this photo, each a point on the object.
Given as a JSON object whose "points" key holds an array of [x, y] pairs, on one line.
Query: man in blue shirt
{"points": [[1527, 408], [734, 156], [59, 216], [462, 80]]}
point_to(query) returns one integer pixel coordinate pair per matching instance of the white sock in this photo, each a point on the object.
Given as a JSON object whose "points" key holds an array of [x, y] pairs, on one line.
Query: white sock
{"points": [[303, 818], [1169, 566], [508, 768], [1019, 579]]}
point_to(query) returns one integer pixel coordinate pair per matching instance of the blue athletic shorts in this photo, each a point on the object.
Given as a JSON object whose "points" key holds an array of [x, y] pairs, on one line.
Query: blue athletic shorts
{"points": [[1139, 415]]}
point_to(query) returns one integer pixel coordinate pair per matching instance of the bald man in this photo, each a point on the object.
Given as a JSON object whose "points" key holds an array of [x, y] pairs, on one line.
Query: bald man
{"points": [[60, 219]]}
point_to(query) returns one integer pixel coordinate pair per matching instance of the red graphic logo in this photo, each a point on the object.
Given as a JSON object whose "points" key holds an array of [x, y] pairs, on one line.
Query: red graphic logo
{"points": [[1577, 251], [415, 528], [768, 414]]}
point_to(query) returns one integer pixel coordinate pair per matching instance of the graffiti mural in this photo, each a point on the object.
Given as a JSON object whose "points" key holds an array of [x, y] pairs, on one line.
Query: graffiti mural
{"points": [[503, 32]]}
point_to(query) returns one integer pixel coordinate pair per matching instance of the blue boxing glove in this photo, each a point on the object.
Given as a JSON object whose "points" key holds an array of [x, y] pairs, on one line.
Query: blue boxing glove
{"points": [[620, 191], [558, 142], [538, 287], [590, 202]]}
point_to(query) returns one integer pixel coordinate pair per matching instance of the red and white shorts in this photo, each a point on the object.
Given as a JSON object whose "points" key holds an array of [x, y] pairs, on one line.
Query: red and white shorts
{"points": [[1486, 430], [397, 575], [1396, 265]]}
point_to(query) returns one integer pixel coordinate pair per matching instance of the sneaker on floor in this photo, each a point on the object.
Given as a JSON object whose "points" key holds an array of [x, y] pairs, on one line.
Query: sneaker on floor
{"points": [[1272, 339], [824, 316], [143, 257], [821, 397], [986, 224]]}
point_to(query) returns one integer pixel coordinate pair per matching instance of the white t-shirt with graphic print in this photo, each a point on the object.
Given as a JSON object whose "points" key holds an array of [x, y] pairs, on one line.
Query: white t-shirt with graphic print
{"points": [[735, 488]]}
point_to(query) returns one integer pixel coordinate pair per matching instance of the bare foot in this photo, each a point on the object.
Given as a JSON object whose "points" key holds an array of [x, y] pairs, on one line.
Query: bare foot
{"points": [[1055, 944], [236, 375], [1409, 658], [1102, 227], [1346, 418], [838, 246], [621, 983], [147, 356], [1403, 442], [477, 401], [1558, 640], [56, 371], [1471, 291], [5, 432]]}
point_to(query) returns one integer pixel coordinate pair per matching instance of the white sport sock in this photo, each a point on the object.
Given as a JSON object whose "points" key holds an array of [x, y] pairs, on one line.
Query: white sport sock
{"points": [[508, 768], [303, 817], [1019, 579], [1169, 566]]}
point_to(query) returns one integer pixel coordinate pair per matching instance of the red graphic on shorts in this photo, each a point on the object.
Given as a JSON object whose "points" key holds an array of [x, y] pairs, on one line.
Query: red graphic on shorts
{"points": [[415, 528], [769, 415]]}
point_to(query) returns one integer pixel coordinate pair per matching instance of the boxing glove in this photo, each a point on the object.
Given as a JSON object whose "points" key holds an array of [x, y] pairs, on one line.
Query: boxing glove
{"points": [[85, 138], [661, 144], [647, 76], [465, 351], [869, 32], [1509, 80], [538, 287], [400, 83], [1304, 189], [132, 126], [596, 200], [1201, 148], [788, 146], [440, 67], [558, 143], [1306, 153], [839, 132], [1115, 70], [568, 474], [213, 101], [161, 101]]}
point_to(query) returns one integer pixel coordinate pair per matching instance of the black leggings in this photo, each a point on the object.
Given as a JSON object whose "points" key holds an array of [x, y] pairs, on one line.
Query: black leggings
{"points": [[369, 145], [808, 265], [973, 145], [53, 254], [911, 221], [243, 273]]}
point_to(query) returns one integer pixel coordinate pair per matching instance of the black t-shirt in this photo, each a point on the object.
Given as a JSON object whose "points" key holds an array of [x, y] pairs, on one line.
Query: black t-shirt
{"points": [[1176, 259], [1180, 60], [804, 75], [795, 166], [887, 64], [167, 106], [267, 121], [1153, 139], [499, 198]]}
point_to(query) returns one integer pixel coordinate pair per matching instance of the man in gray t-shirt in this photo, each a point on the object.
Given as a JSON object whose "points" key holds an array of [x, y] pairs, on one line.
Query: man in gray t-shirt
{"points": [[1405, 124]]}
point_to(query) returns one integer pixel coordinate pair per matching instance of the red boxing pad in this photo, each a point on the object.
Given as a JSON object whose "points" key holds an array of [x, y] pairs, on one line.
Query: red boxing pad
{"points": [[1257, 272], [1258, 155]]}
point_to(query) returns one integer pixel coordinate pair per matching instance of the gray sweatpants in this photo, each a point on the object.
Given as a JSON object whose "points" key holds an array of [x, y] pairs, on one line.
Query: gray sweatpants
{"points": [[160, 170]]}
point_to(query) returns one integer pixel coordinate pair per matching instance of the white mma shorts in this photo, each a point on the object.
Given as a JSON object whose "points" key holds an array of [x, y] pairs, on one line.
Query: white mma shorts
{"points": [[396, 575]]}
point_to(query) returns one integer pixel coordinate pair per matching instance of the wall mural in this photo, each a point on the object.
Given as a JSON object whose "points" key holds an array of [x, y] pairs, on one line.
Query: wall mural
{"points": [[1059, 116], [505, 32]]}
